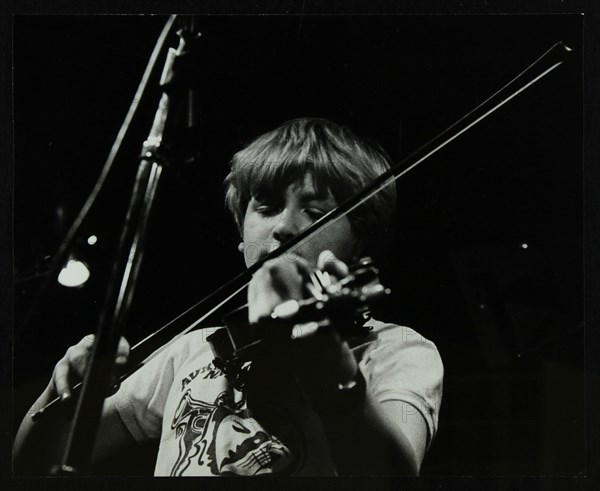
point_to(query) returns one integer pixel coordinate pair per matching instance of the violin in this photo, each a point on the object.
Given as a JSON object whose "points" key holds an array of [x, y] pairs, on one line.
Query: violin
{"points": [[342, 305]]}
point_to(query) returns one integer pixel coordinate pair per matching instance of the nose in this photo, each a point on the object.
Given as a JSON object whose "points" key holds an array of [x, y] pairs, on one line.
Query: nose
{"points": [[286, 227]]}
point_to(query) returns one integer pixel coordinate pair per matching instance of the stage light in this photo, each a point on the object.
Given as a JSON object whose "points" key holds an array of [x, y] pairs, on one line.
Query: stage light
{"points": [[75, 273], [92, 239], [524, 246]]}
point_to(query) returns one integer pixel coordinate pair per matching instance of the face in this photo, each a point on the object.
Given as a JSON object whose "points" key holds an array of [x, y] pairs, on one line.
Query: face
{"points": [[268, 223]]}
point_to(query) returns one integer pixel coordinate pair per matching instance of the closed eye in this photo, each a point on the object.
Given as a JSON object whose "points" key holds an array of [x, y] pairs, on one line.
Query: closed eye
{"points": [[266, 208]]}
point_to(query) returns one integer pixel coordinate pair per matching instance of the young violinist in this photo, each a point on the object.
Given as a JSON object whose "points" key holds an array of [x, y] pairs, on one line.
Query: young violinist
{"points": [[327, 404]]}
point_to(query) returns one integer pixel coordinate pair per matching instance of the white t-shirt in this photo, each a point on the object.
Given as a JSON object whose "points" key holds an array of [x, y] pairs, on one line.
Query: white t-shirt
{"points": [[206, 428]]}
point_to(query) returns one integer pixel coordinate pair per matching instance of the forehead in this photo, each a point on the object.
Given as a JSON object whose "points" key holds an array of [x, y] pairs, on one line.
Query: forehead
{"points": [[308, 188]]}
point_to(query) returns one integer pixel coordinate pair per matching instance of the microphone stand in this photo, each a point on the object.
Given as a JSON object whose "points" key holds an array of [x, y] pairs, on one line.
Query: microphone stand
{"points": [[177, 82]]}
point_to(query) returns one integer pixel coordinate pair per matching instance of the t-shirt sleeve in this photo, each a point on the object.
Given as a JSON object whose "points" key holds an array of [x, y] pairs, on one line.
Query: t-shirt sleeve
{"points": [[141, 399], [404, 366]]}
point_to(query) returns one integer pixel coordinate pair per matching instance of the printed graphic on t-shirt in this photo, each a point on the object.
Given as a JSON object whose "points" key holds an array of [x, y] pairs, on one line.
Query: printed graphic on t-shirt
{"points": [[223, 436]]}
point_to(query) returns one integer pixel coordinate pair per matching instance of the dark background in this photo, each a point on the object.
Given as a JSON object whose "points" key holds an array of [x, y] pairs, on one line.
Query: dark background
{"points": [[507, 320]]}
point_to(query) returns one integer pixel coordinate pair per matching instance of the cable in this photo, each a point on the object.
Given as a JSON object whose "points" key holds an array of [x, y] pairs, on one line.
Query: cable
{"points": [[67, 242]]}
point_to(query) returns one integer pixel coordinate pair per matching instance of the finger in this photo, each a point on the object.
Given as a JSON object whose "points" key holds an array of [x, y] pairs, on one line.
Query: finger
{"points": [[77, 357], [122, 352], [286, 277], [332, 265], [287, 284], [61, 379], [271, 285], [88, 341], [301, 265]]}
